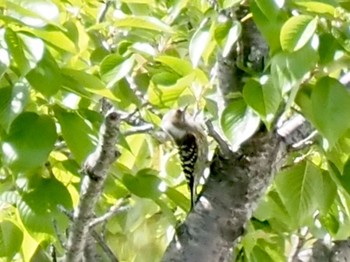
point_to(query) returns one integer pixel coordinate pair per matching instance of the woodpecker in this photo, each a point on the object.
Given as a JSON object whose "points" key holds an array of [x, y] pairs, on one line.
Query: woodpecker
{"points": [[192, 144]]}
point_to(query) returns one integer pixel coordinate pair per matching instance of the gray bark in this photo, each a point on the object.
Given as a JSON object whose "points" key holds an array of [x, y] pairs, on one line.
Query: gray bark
{"points": [[237, 180], [95, 168], [235, 185]]}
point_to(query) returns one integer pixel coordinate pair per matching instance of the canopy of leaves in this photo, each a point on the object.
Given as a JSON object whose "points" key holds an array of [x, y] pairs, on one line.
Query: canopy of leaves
{"points": [[60, 59]]}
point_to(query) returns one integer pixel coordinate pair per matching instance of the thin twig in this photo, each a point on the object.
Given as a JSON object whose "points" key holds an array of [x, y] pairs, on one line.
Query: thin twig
{"points": [[223, 145], [104, 246], [139, 130], [58, 234], [306, 141], [94, 234], [104, 10], [113, 211]]}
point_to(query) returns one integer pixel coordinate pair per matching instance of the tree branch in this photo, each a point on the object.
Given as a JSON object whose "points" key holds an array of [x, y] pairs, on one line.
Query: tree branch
{"points": [[96, 167], [113, 211], [223, 145], [235, 185]]}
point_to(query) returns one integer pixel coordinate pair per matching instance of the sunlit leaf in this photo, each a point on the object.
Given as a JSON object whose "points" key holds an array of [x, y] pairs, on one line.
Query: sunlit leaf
{"points": [[180, 66], [317, 7], [89, 82], [53, 37], [328, 193], [143, 185], [264, 99], [30, 140], [239, 122], [269, 21], [38, 207], [10, 239], [198, 44], [36, 13], [46, 76], [77, 133], [4, 61], [178, 93], [298, 187], [143, 22], [330, 105], [297, 31], [125, 95], [228, 3], [232, 37], [12, 102], [16, 47], [178, 198], [114, 68], [289, 69]]}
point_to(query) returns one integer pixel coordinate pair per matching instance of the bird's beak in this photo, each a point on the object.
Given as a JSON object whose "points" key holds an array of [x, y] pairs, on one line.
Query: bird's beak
{"points": [[184, 113]]}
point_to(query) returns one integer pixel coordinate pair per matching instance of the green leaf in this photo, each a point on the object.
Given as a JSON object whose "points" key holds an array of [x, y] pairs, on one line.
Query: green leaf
{"points": [[38, 206], [299, 188], [89, 82], [177, 94], [289, 69], [239, 122], [29, 142], [198, 44], [330, 222], [269, 24], [344, 178], [143, 185], [229, 3], [226, 35], [143, 22], [35, 13], [178, 198], [11, 238], [329, 47], [54, 38], [78, 135], [331, 106], [297, 31], [180, 66], [232, 37], [10, 197], [264, 99], [165, 78], [268, 8], [254, 97], [328, 192], [12, 102], [16, 48], [125, 95], [303, 100], [317, 7], [115, 67], [46, 76], [272, 208], [4, 61]]}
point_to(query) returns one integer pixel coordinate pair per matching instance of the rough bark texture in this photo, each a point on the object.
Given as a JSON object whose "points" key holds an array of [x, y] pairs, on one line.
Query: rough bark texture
{"points": [[237, 180], [249, 52], [235, 184], [96, 168]]}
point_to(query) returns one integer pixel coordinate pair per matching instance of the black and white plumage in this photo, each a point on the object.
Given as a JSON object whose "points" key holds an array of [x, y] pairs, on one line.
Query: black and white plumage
{"points": [[192, 143]]}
